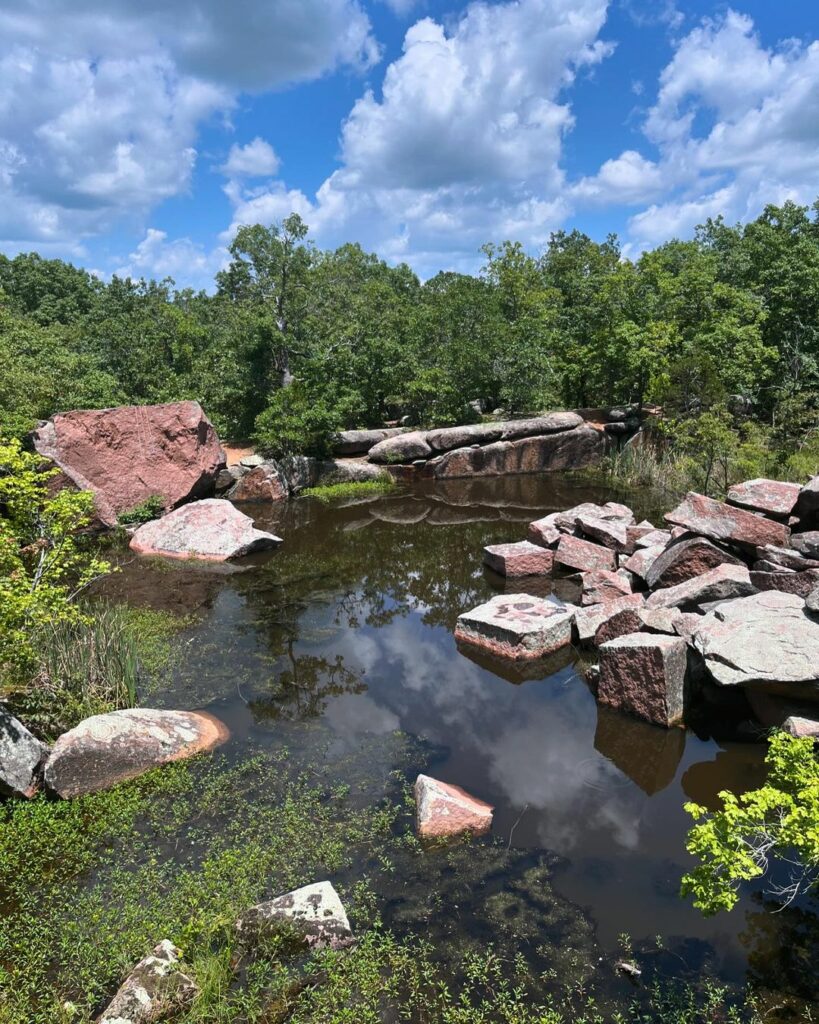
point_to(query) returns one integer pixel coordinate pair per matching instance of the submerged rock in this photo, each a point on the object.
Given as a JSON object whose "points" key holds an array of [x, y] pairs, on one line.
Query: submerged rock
{"points": [[107, 749], [212, 530], [521, 559], [21, 755], [722, 522], [644, 674], [315, 912], [134, 452], [446, 810], [155, 990], [516, 626]]}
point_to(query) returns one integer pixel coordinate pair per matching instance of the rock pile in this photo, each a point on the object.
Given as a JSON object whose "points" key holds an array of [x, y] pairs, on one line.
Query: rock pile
{"points": [[728, 593]]}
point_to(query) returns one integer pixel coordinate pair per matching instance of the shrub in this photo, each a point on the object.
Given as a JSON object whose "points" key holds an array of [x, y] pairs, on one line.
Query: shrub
{"points": [[151, 508], [296, 423]]}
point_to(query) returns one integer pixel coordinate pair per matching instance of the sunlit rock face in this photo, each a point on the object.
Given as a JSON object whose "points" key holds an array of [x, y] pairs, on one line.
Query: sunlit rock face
{"points": [[516, 626], [315, 912], [212, 530], [446, 810]]}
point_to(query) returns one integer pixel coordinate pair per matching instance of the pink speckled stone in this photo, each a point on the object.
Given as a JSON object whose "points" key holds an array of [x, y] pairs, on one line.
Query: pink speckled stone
{"points": [[521, 559], [516, 626], [446, 810]]}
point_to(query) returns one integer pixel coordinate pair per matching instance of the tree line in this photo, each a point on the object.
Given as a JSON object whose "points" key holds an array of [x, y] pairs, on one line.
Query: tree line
{"points": [[296, 342]]}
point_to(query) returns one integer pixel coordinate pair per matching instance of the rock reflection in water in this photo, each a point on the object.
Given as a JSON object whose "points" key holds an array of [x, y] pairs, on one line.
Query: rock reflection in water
{"points": [[646, 753]]}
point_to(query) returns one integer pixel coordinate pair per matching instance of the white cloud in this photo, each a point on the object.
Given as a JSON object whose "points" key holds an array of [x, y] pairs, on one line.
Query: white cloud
{"points": [[101, 103], [256, 159], [185, 261], [464, 142]]}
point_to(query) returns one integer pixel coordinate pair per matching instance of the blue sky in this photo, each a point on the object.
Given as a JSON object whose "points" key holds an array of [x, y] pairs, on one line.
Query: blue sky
{"points": [[136, 138]]}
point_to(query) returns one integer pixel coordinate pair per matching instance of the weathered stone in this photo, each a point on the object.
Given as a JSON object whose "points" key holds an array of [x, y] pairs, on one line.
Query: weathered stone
{"points": [[686, 624], [263, 483], [723, 522], [807, 504], [21, 755], [359, 442], [225, 479], [446, 810], [544, 532], [521, 559], [807, 544], [154, 991], [569, 519], [685, 559], [601, 585], [620, 624], [589, 618], [789, 582], [403, 447], [447, 438], [252, 461], [551, 423], [764, 640], [644, 674], [574, 553], [212, 530], [771, 497], [801, 727], [569, 449], [642, 560], [315, 912], [516, 626], [653, 538], [722, 583], [610, 534], [812, 602], [106, 749], [636, 532], [129, 454], [344, 471], [764, 566], [659, 620], [786, 557]]}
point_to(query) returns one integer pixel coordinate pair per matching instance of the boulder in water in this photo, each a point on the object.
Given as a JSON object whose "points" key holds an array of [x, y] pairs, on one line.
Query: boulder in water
{"points": [[213, 530]]}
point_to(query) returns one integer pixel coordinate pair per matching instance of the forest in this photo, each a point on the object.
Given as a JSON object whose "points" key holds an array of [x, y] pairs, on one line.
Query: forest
{"points": [[296, 342]]}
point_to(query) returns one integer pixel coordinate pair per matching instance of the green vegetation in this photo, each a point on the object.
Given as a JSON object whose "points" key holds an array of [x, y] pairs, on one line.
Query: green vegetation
{"points": [[334, 492], [151, 508], [297, 342], [779, 821]]}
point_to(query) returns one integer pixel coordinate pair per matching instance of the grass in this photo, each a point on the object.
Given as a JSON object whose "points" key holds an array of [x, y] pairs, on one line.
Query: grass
{"points": [[151, 508], [334, 492]]}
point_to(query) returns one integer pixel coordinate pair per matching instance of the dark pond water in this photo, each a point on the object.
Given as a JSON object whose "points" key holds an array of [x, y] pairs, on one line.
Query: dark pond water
{"points": [[340, 646]]}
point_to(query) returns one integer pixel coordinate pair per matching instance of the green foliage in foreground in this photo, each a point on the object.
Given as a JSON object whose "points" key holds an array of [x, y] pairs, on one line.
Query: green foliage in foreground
{"points": [[333, 492], [779, 821]]}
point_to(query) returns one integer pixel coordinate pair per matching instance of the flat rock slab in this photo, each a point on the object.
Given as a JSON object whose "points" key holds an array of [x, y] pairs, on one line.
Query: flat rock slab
{"points": [[568, 449], [722, 522], [684, 559], [720, 584], [610, 533], [590, 618], [262, 484], [575, 553], [516, 626], [446, 810], [212, 530], [314, 911], [764, 640], [602, 585], [155, 990], [569, 519], [21, 755], [644, 674], [544, 531], [771, 497], [788, 558], [107, 749], [642, 560], [520, 559], [129, 454], [359, 442]]}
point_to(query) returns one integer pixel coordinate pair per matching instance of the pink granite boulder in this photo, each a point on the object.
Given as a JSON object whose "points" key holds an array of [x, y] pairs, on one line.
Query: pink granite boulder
{"points": [[644, 674], [544, 531], [516, 626], [722, 583], [520, 559], [722, 522], [134, 452], [601, 585], [212, 530], [575, 553], [263, 484], [590, 618], [446, 810], [771, 497], [788, 581]]}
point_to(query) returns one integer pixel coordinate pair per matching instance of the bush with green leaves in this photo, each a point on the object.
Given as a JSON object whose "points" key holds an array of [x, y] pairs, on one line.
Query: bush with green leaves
{"points": [[144, 512], [779, 821], [296, 422]]}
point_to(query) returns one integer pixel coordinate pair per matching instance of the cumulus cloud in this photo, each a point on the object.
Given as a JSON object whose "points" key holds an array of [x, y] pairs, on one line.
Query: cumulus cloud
{"points": [[182, 259], [101, 102], [256, 159]]}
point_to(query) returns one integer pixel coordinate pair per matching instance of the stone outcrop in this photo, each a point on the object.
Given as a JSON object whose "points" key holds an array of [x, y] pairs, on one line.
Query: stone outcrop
{"points": [[722, 522], [106, 749], [771, 497], [359, 442], [315, 912], [519, 559], [129, 454], [644, 674], [446, 810], [516, 626], [571, 449], [21, 756], [212, 530], [155, 990], [406, 447]]}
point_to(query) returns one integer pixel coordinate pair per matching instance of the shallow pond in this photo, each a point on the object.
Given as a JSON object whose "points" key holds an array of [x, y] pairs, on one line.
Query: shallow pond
{"points": [[340, 646]]}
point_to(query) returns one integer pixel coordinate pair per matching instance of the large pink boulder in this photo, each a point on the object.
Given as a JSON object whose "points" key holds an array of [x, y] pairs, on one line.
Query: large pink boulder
{"points": [[106, 749], [213, 530], [446, 810], [516, 626], [644, 674], [722, 522], [129, 454]]}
